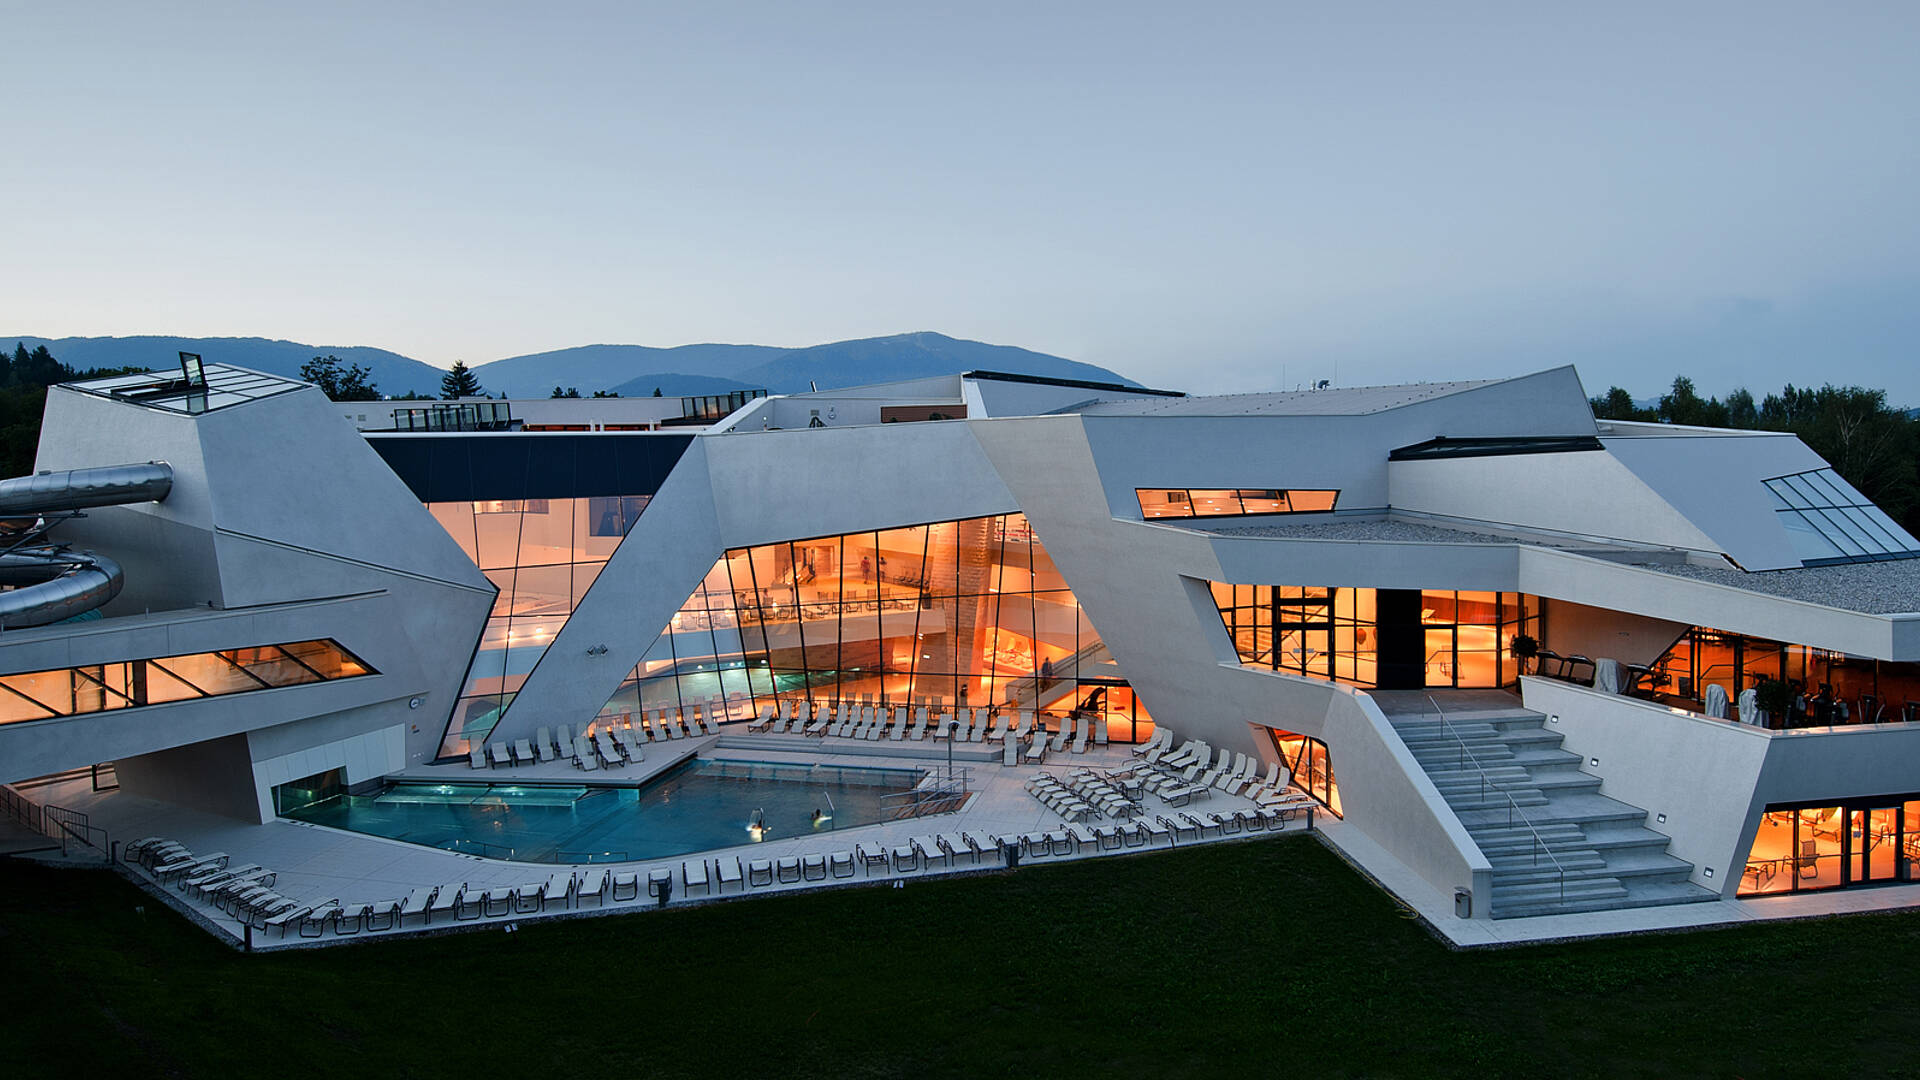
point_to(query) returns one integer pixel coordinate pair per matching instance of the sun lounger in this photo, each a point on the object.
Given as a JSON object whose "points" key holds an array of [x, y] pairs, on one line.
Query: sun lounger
{"points": [[870, 857], [822, 720], [899, 732], [417, 903], [931, 851], [583, 754], [1061, 735], [727, 870], [768, 714], [609, 753], [632, 746], [543, 744], [558, 887], [694, 876], [593, 883], [919, 724], [563, 737], [977, 731], [477, 757], [1178, 829], [291, 917], [787, 869], [446, 900], [840, 864], [528, 897], [1037, 750], [660, 883], [759, 873], [500, 755], [626, 885], [523, 752], [1080, 738], [904, 858], [318, 918], [712, 724]]}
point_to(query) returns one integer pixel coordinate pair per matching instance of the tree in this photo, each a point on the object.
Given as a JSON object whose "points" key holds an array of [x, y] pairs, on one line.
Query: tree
{"points": [[1683, 406], [459, 382], [339, 380], [1618, 405], [656, 391], [606, 393], [572, 392]]}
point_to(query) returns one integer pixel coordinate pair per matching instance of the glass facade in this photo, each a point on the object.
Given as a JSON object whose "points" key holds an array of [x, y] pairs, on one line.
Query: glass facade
{"points": [[1868, 841], [1307, 759], [1829, 687], [1231, 502], [956, 613], [1462, 639], [542, 554], [128, 684], [1829, 521]]}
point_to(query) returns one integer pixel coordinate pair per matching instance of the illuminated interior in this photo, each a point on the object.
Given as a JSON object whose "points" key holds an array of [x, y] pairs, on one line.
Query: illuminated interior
{"points": [[1829, 687], [956, 613], [542, 554], [1307, 759], [1859, 842], [1461, 639], [127, 684], [1231, 502]]}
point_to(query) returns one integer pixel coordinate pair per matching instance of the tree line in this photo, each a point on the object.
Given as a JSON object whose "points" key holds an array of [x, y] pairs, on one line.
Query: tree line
{"points": [[25, 375], [1875, 447]]}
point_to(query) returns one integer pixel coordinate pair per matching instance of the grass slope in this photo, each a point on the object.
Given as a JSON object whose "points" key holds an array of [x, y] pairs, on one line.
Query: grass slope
{"points": [[1262, 959]]}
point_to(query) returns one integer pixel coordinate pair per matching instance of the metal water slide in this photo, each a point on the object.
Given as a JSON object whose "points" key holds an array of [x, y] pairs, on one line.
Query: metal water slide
{"points": [[48, 581]]}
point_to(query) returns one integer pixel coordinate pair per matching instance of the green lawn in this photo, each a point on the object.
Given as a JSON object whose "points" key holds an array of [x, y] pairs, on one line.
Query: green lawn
{"points": [[1248, 960]]}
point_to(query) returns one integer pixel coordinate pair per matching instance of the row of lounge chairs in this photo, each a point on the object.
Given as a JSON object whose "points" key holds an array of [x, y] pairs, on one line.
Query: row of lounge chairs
{"points": [[609, 746], [1085, 794], [901, 723]]}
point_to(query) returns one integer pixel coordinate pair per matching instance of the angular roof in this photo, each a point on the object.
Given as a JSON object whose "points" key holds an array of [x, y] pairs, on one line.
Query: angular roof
{"points": [[1342, 401]]}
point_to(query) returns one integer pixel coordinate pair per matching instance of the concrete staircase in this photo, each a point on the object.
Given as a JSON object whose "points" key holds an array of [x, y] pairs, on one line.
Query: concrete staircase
{"points": [[1609, 857]]}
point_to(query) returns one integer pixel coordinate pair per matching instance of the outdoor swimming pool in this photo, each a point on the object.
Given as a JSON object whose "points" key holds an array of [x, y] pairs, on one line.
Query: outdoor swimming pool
{"points": [[698, 806]]}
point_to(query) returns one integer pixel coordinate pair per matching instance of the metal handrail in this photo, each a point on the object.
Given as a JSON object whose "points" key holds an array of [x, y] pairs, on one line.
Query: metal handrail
{"points": [[1513, 807]]}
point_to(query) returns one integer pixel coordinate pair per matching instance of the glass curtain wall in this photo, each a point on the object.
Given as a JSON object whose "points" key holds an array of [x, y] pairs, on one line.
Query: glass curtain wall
{"points": [[955, 613], [1469, 636], [542, 554], [128, 684]]}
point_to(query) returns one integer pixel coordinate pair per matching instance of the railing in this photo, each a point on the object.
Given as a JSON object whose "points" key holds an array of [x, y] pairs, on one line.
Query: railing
{"points": [[465, 846], [1513, 807], [943, 790], [22, 809]]}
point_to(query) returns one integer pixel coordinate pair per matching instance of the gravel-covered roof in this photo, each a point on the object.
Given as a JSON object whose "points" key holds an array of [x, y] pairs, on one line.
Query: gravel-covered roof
{"points": [[1356, 529], [1876, 588]]}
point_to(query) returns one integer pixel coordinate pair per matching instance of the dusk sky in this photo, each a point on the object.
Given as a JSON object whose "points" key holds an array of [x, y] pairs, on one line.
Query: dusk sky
{"points": [[1213, 197]]}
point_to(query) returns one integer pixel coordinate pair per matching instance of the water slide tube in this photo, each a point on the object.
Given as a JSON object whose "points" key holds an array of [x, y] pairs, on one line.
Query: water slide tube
{"points": [[50, 583]]}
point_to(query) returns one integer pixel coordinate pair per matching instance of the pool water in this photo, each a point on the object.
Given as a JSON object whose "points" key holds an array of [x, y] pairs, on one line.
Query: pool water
{"points": [[697, 806]]}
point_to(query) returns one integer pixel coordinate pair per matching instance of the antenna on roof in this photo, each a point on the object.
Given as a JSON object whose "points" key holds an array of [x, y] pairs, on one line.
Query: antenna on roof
{"points": [[813, 387]]}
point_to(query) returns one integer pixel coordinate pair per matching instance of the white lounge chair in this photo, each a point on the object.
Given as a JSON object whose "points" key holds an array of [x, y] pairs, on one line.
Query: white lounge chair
{"points": [[813, 867], [417, 903], [477, 757], [543, 745], [523, 752], [583, 754], [1062, 735], [727, 870], [786, 869], [1010, 752], [759, 873], [768, 714], [631, 745], [563, 736], [919, 732], [977, 731], [558, 887], [592, 883], [1080, 738], [500, 754], [899, 732], [840, 864], [626, 885], [609, 753], [694, 876], [446, 900]]}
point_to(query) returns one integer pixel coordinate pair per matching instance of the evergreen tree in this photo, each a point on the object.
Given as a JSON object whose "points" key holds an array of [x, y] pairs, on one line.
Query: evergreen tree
{"points": [[459, 382], [606, 393], [656, 391]]}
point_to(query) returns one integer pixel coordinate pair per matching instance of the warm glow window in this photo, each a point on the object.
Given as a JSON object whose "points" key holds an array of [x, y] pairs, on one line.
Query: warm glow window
{"points": [[127, 684], [1231, 502]]}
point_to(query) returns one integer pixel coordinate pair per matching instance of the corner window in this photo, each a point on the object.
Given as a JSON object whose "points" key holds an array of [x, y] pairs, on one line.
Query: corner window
{"points": [[1232, 502]]}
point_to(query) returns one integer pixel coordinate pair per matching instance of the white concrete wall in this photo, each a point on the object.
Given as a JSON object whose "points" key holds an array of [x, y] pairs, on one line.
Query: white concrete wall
{"points": [[1700, 773], [366, 756], [1714, 479], [1596, 632], [1587, 494]]}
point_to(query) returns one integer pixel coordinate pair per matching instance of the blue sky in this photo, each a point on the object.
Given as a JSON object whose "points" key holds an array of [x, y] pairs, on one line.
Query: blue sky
{"points": [[1214, 197]]}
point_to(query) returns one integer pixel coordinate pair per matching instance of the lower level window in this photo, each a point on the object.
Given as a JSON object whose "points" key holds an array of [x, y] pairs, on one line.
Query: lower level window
{"points": [[1307, 759], [1857, 842]]}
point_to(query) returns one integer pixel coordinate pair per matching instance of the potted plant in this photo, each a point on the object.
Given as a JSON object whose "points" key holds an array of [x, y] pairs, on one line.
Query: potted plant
{"points": [[1774, 698], [1525, 648]]}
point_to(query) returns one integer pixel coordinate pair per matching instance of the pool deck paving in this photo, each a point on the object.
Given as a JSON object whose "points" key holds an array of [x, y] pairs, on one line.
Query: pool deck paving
{"points": [[314, 863]]}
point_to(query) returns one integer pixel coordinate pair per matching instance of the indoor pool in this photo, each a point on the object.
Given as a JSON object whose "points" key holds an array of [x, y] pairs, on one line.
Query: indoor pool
{"points": [[697, 806]]}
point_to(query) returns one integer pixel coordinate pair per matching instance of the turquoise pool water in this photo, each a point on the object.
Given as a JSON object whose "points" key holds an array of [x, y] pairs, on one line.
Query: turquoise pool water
{"points": [[698, 806]]}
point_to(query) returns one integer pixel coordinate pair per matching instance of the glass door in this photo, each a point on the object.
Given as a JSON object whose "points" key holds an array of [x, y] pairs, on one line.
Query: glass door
{"points": [[1873, 844]]}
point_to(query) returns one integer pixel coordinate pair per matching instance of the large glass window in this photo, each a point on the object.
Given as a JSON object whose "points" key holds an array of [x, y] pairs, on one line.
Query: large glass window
{"points": [[1307, 759], [1231, 502], [1829, 687], [1870, 841], [1829, 521], [954, 613], [127, 684], [543, 555]]}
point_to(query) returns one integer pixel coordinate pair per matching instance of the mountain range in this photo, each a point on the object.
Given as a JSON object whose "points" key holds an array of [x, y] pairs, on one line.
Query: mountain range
{"points": [[629, 370]]}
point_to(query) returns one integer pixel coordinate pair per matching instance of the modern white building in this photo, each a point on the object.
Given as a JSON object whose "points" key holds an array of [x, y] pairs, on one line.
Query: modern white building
{"points": [[1330, 582]]}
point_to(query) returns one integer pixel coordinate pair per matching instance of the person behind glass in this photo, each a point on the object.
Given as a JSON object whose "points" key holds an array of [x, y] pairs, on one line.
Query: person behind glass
{"points": [[866, 568], [1046, 670], [1823, 705]]}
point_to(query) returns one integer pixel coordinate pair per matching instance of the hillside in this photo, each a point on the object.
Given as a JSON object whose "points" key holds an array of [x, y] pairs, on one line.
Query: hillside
{"points": [[628, 369]]}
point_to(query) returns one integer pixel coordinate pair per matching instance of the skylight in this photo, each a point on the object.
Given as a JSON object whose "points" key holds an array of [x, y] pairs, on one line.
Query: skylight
{"points": [[1831, 522]]}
